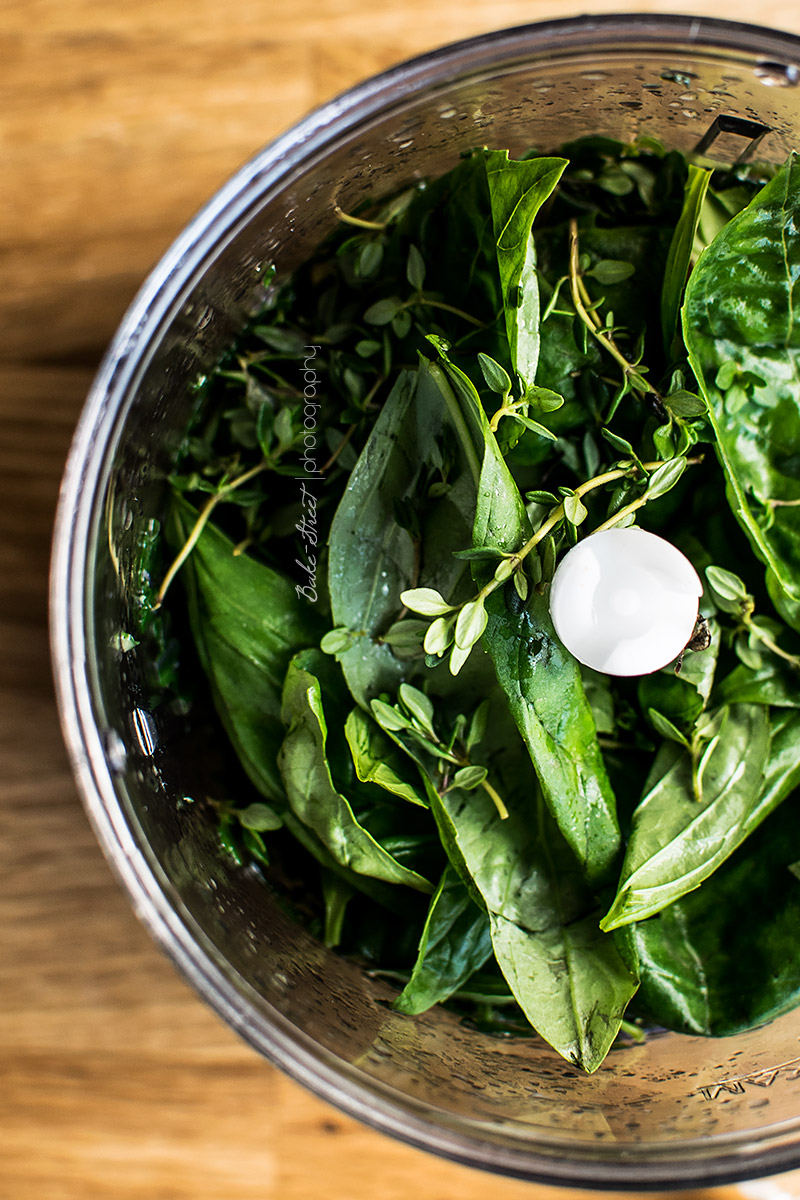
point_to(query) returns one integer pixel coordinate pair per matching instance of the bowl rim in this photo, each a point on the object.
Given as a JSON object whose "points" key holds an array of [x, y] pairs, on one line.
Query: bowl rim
{"points": [[70, 618]]}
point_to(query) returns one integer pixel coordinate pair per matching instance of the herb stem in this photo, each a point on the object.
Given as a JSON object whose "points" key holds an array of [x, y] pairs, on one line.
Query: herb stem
{"points": [[634, 505], [326, 466], [359, 222], [506, 410], [458, 312], [497, 798], [583, 307], [558, 514], [200, 525], [589, 485], [767, 641]]}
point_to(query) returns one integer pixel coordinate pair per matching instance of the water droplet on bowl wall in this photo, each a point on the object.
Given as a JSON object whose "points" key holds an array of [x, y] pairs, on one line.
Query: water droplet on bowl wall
{"points": [[778, 74], [115, 752]]}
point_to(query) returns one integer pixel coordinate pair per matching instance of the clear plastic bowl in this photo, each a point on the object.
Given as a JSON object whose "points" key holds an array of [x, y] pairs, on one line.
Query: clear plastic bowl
{"points": [[676, 1111]]}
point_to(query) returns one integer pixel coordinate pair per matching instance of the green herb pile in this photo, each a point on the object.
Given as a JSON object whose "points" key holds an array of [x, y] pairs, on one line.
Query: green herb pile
{"points": [[366, 515]]}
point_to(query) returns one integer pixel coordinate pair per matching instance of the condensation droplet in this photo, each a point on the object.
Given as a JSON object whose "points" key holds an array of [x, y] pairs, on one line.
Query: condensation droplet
{"points": [[116, 754], [778, 74]]}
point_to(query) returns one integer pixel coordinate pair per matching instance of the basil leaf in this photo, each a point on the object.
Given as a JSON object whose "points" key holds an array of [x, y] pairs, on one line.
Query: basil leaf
{"points": [[751, 908], [679, 256], [311, 793], [741, 308], [543, 685], [378, 760], [672, 696], [246, 621], [372, 560], [517, 190], [677, 841], [775, 683], [456, 941], [566, 975], [541, 680]]}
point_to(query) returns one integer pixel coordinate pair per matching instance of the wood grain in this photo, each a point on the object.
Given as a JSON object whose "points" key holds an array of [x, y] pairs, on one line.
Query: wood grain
{"points": [[116, 123]]}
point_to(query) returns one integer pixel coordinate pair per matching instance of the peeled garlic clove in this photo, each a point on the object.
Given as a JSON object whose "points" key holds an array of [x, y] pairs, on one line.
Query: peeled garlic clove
{"points": [[625, 601]]}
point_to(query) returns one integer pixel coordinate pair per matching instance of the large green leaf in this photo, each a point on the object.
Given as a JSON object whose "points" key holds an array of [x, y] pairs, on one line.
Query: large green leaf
{"points": [[541, 680], [741, 309], [726, 957], [543, 684], [372, 559], [456, 941], [517, 190], [678, 840], [566, 975], [498, 513], [311, 792], [247, 621]]}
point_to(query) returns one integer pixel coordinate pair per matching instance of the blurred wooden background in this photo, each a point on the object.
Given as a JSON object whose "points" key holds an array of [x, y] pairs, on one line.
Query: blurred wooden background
{"points": [[116, 122]]}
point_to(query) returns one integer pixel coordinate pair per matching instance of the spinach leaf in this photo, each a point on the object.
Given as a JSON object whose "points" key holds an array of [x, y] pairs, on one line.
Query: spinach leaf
{"points": [[726, 957], [517, 190], [679, 839], [566, 975], [311, 793], [456, 941], [742, 332], [246, 621], [378, 760], [680, 253]]}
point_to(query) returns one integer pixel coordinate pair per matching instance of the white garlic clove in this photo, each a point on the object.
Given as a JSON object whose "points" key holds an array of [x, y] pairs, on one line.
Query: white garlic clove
{"points": [[625, 602]]}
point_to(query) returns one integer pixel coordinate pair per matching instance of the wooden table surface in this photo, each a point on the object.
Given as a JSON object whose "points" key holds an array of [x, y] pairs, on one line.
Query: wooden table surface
{"points": [[116, 122]]}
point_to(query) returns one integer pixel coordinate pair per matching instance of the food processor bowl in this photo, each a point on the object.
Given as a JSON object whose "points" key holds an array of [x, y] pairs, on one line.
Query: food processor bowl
{"points": [[674, 1111]]}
